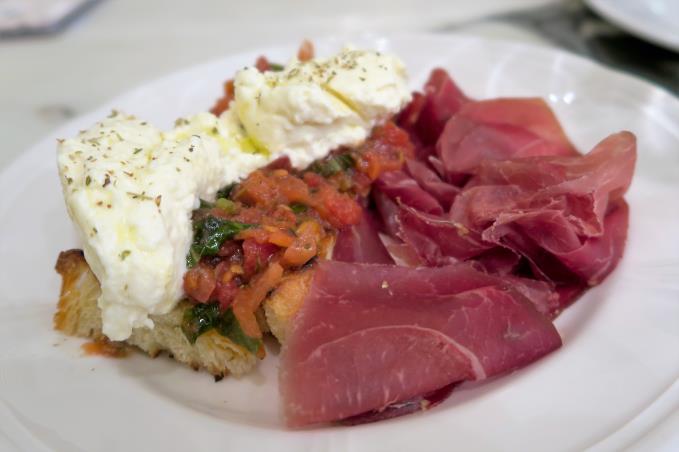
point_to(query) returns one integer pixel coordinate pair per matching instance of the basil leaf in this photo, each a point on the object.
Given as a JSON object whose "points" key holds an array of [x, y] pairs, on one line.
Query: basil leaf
{"points": [[298, 207], [206, 204], [275, 67], [208, 236], [206, 316], [333, 165], [226, 191], [199, 319], [229, 327]]}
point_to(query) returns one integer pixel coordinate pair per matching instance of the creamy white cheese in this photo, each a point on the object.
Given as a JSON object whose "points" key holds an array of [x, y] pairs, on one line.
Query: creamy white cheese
{"points": [[130, 191], [130, 188], [312, 107]]}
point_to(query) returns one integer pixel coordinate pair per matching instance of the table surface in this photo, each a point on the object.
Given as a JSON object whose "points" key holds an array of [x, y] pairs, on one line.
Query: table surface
{"points": [[119, 44]]}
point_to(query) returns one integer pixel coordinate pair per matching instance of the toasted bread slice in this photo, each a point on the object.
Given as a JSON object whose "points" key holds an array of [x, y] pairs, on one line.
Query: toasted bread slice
{"points": [[78, 315], [285, 301]]}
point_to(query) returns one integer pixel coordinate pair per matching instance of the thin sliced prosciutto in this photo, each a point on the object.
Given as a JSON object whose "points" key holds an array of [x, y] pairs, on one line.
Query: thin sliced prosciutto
{"points": [[370, 336], [361, 242], [561, 213], [492, 227], [499, 129], [426, 116]]}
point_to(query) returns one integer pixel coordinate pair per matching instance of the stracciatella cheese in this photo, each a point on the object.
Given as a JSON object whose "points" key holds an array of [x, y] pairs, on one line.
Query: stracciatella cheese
{"points": [[130, 188], [130, 192], [315, 106]]}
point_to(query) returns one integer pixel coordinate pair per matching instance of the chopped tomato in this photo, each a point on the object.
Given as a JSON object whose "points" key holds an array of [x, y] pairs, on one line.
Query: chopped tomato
{"points": [[258, 235], [336, 208], [199, 282], [249, 298], [385, 150], [223, 102], [262, 64], [225, 293], [306, 51], [283, 217], [279, 237], [231, 250], [256, 256], [305, 246], [227, 284]]}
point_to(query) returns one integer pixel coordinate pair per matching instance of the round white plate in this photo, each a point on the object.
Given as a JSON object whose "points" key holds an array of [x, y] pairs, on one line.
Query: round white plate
{"points": [[656, 21], [611, 382]]}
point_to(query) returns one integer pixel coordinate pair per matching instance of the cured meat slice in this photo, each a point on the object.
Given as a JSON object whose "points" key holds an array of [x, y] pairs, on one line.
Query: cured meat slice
{"points": [[419, 403], [432, 183], [427, 113], [361, 242], [580, 186], [499, 129], [369, 336], [438, 240], [399, 185]]}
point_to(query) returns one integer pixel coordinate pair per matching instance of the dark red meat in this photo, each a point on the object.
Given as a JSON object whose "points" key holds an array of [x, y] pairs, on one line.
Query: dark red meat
{"points": [[499, 129], [400, 186], [496, 224], [369, 336], [361, 242], [427, 114], [431, 182]]}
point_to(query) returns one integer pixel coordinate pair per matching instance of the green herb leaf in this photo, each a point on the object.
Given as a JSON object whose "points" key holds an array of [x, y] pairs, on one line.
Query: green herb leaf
{"points": [[199, 319], [206, 316], [206, 204], [298, 207], [226, 205], [229, 327], [208, 236], [275, 67], [333, 165], [226, 191]]}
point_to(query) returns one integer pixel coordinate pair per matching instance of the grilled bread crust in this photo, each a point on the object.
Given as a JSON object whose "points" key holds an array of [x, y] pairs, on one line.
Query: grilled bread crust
{"points": [[78, 315]]}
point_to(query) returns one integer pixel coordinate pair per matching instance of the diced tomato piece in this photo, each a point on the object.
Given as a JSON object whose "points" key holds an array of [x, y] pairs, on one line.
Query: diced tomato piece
{"points": [[227, 284], [229, 248], [306, 51], [258, 235], [249, 298], [199, 282], [223, 102], [282, 217], [280, 237], [385, 150], [225, 293], [257, 189], [280, 163], [305, 246], [256, 256], [313, 180], [262, 64]]}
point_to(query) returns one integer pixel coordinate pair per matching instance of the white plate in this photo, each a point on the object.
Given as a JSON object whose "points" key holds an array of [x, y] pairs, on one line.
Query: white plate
{"points": [[613, 380], [656, 21]]}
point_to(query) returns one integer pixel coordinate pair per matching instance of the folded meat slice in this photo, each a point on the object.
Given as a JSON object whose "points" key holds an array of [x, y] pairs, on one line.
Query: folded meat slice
{"points": [[499, 129], [369, 336], [427, 113], [361, 242], [580, 186], [399, 185], [431, 182]]}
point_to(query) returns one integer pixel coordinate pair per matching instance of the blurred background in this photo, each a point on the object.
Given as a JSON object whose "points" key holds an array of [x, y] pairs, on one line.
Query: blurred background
{"points": [[61, 58]]}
